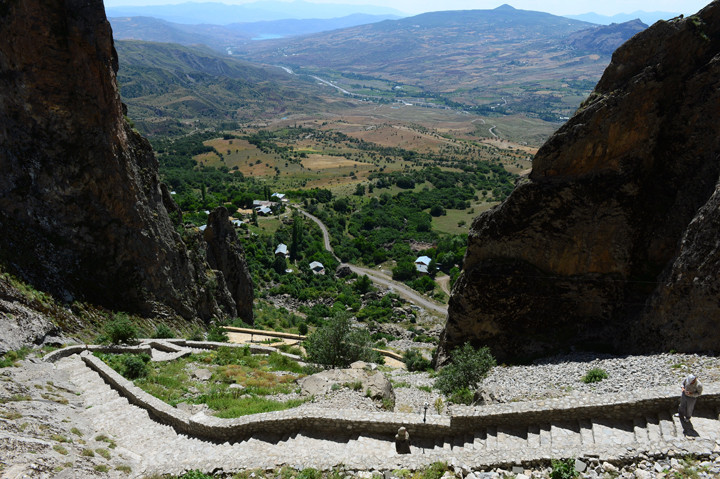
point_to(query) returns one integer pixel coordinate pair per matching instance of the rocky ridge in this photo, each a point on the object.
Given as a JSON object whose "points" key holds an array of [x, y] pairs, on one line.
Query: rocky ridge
{"points": [[611, 240], [82, 209]]}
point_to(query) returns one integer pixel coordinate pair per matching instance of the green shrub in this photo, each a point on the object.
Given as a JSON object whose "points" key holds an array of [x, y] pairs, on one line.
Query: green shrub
{"points": [[309, 473], [163, 332], [595, 375], [469, 366], [121, 330], [414, 360], [462, 396], [134, 366], [232, 355], [563, 469], [303, 329], [195, 474], [11, 357], [218, 334], [435, 470]]}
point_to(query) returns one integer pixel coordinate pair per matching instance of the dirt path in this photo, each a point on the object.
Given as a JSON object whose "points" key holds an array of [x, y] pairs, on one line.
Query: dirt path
{"points": [[444, 282], [378, 277]]}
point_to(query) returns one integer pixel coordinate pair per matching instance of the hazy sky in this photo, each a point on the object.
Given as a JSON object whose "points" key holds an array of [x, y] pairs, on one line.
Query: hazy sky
{"points": [[558, 7]]}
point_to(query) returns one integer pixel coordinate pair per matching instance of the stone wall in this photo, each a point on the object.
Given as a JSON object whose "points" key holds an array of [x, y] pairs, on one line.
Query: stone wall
{"points": [[385, 425]]}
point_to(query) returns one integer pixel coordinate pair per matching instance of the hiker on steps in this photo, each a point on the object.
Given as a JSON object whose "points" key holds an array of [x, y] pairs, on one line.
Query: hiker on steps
{"points": [[691, 390]]}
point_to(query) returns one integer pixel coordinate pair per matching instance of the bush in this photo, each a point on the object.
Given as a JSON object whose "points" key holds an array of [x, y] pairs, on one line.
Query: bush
{"points": [[303, 329], [337, 344], [121, 330], [462, 396], [414, 360], [595, 375], [163, 332], [135, 366], [195, 474], [469, 366], [563, 469], [218, 334]]}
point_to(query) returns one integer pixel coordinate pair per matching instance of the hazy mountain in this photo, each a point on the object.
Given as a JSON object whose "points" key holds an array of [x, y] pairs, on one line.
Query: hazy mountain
{"points": [[293, 27], [605, 39], [472, 57], [646, 17], [222, 14], [156, 30], [219, 37]]}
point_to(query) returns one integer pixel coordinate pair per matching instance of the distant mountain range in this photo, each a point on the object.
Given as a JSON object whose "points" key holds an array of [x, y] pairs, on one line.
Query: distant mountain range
{"points": [[469, 56], [646, 17], [219, 37], [499, 61], [193, 13]]}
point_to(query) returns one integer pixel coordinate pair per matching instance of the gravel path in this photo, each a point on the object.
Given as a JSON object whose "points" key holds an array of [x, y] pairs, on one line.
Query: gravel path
{"points": [[554, 377]]}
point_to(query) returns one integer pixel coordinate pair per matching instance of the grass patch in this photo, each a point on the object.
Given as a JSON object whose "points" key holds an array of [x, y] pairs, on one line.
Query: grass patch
{"points": [[76, 431], [101, 468], [103, 438], [11, 415], [258, 375], [595, 375], [124, 468], [87, 453], [60, 449], [103, 452], [11, 358], [59, 438]]}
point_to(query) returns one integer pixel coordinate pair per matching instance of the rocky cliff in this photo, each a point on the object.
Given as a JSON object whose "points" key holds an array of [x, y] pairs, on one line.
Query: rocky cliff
{"points": [[82, 211], [612, 241]]}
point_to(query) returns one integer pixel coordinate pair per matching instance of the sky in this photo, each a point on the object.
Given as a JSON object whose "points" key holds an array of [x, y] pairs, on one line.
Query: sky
{"points": [[557, 7]]}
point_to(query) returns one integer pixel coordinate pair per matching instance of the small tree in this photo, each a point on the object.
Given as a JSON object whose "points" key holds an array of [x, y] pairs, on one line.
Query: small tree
{"points": [[337, 344], [363, 284], [469, 366], [414, 360], [121, 330]]}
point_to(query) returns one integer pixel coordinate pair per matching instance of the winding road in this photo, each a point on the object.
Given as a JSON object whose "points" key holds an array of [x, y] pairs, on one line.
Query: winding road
{"points": [[378, 277]]}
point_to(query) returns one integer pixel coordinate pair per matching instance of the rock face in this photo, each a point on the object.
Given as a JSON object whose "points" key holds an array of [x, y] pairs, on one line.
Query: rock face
{"points": [[226, 255], [82, 210], [612, 242]]}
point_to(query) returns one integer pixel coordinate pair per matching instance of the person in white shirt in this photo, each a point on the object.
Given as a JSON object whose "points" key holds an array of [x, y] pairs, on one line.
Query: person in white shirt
{"points": [[691, 390]]}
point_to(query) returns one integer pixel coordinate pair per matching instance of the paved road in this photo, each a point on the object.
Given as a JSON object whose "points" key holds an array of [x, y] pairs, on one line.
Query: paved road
{"points": [[378, 277]]}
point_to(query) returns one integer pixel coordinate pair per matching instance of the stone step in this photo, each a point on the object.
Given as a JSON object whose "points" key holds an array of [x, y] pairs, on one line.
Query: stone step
{"points": [[565, 433], [511, 437], [640, 429], [668, 431]]}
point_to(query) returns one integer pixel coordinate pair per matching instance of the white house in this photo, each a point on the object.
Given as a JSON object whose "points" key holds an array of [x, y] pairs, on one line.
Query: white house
{"points": [[317, 267], [282, 249], [279, 196], [237, 223], [263, 210], [422, 263]]}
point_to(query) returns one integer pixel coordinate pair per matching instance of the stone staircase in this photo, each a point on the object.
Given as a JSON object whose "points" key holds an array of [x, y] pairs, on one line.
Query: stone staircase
{"points": [[506, 435]]}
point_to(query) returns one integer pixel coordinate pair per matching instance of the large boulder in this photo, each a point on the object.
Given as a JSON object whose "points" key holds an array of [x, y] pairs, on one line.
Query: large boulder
{"points": [[374, 383], [612, 241]]}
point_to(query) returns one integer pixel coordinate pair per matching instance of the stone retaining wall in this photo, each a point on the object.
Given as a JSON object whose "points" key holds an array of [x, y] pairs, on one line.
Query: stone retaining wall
{"points": [[385, 425], [340, 423]]}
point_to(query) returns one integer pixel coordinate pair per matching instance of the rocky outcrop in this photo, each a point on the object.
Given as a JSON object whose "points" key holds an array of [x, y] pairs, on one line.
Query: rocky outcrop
{"points": [[82, 210], [612, 241], [225, 254]]}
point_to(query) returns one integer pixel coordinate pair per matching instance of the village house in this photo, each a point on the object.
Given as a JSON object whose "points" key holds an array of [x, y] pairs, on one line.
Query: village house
{"points": [[317, 267], [422, 264], [282, 249]]}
